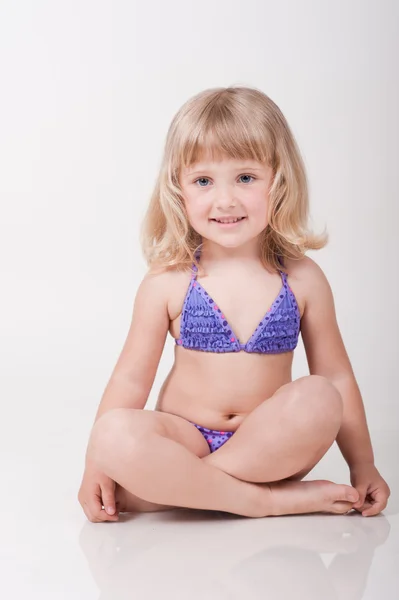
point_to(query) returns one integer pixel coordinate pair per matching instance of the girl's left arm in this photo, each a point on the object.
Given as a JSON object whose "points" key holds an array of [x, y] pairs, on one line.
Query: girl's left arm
{"points": [[327, 356]]}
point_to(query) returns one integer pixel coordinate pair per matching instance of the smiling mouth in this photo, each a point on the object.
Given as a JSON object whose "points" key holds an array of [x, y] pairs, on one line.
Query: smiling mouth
{"points": [[226, 221]]}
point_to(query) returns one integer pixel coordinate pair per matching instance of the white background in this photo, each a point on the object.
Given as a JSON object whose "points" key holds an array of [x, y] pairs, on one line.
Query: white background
{"points": [[88, 90]]}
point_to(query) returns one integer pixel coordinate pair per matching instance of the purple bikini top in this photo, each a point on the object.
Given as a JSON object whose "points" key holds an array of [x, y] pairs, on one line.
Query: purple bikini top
{"points": [[203, 325]]}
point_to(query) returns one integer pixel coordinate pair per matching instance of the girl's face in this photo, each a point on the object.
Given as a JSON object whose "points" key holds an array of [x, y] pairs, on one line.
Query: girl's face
{"points": [[218, 192]]}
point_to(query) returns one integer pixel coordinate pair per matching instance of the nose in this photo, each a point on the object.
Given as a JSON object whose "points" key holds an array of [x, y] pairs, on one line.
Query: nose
{"points": [[225, 199]]}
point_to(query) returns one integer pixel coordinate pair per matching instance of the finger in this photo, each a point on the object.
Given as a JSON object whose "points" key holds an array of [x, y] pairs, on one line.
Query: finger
{"points": [[373, 510], [362, 490], [108, 498], [89, 503], [376, 506], [97, 512], [104, 516], [98, 515], [368, 504]]}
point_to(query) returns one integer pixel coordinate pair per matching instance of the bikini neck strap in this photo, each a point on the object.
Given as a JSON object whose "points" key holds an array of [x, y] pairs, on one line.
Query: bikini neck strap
{"points": [[282, 273], [197, 255], [194, 267]]}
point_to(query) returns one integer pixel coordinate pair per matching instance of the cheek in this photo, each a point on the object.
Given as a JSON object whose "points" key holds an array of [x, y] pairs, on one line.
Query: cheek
{"points": [[196, 213], [259, 217], [197, 210], [258, 208]]}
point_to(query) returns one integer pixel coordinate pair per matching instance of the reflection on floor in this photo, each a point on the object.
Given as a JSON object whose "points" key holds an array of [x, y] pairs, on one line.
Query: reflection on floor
{"points": [[49, 550]]}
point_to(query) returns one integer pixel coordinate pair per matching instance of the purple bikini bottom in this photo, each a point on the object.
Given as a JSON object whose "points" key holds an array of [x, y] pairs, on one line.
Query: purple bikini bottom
{"points": [[215, 438]]}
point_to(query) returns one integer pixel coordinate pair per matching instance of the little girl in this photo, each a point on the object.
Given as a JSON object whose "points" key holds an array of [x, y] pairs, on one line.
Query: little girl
{"points": [[225, 237]]}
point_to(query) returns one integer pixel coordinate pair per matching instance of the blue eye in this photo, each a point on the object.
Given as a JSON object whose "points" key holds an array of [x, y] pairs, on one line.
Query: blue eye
{"points": [[206, 179], [247, 176], [201, 178]]}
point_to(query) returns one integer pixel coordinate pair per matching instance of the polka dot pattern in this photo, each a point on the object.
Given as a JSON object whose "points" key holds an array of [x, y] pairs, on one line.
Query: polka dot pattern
{"points": [[215, 438], [204, 326]]}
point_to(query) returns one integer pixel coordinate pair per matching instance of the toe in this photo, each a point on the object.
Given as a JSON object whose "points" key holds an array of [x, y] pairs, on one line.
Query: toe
{"points": [[341, 508], [346, 493]]}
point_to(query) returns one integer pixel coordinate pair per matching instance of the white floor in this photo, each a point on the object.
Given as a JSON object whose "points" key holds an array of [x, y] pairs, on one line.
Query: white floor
{"points": [[49, 550]]}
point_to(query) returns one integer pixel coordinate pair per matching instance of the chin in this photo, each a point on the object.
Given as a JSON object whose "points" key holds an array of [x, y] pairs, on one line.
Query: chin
{"points": [[233, 243]]}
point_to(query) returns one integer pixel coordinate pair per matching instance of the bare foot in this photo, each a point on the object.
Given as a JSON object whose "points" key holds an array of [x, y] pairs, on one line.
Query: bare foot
{"points": [[298, 497]]}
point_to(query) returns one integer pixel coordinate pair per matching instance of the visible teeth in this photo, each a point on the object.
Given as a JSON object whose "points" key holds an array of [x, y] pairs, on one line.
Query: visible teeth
{"points": [[228, 220]]}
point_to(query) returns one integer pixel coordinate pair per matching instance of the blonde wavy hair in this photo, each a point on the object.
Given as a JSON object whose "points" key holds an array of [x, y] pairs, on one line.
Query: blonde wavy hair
{"points": [[239, 123]]}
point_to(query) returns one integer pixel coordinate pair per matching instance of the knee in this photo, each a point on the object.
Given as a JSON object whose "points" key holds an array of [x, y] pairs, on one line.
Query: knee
{"points": [[111, 432], [322, 396]]}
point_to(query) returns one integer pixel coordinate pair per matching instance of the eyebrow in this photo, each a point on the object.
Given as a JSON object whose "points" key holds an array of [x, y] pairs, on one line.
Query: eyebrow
{"points": [[209, 169]]}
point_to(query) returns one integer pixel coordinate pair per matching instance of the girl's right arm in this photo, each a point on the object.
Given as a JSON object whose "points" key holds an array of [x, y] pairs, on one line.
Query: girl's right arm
{"points": [[134, 373], [130, 383]]}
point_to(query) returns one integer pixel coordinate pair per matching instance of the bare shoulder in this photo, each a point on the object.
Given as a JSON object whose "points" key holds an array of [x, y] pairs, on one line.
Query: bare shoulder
{"points": [[156, 281], [169, 284], [176, 285], [304, 269], [306, 279]]}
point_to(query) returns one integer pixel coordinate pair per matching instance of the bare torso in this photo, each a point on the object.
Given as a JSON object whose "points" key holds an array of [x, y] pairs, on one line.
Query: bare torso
{"points": [[218, 390]]}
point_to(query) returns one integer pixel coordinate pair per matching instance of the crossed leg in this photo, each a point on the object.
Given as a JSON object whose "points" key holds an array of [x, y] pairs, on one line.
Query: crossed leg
{"points": [[182, 432], [282, 438], [286, 435]]}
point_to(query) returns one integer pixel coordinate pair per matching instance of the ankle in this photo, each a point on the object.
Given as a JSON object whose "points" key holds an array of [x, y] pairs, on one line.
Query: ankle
{"points": [[265, 502]]}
